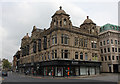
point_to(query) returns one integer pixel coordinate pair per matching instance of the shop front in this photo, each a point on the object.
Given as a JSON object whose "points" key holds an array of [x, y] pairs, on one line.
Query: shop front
{"points": [[61, 68], [27, 68]]}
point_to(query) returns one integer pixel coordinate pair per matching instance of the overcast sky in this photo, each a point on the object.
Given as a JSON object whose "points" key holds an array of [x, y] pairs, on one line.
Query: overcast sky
{"points": [[17, 17]]}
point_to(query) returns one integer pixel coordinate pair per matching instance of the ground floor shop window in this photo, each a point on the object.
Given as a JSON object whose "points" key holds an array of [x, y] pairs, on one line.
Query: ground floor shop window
{"points": [[92, 71], [59, 71], [48, 71], [83, 71], [97, 70], [89, 70], [45, 71], [70, 71]]}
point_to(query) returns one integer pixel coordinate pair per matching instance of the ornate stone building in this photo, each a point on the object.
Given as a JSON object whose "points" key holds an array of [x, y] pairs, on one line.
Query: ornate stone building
{"points": [[109, 42], [62, 49], [16, 61]]}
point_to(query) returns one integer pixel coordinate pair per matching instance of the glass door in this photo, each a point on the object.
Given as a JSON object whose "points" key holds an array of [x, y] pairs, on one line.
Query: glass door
{"points": [[77, 71], [60, 71]]}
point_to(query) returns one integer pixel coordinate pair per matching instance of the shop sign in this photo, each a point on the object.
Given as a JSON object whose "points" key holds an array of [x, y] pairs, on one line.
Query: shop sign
{"points": [[75, 62]]}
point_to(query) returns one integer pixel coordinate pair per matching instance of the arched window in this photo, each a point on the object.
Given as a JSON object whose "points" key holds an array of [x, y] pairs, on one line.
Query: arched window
{"points": [[65, 22], [86, 56], [34, 47], [112, 27], [54, 39], [76, 55], [116, 27], [65, 39], [90, 31], [81, 56], [39, 45], [54, 22], [57, 23], [27, 50], [60, 23]]}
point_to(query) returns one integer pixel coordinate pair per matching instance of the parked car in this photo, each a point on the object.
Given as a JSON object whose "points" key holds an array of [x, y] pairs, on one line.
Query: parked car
{"points": [[4, 73]]}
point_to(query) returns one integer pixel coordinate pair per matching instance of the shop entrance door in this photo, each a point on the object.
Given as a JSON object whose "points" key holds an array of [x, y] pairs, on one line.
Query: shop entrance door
{"points": [[72, 71], [115, 68], [110, 69], [77, 71]]}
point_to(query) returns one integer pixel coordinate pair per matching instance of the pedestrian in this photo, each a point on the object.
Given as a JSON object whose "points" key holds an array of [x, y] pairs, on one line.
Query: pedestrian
{"points": [[88, 72]]}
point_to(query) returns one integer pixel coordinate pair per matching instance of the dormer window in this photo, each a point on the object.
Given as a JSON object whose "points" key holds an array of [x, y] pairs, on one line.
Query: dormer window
{"points": [[119, 28], [54, 23], [65, 22], [116, 27], [112, 27], [90, 31], [93, 29], [69, 23]]}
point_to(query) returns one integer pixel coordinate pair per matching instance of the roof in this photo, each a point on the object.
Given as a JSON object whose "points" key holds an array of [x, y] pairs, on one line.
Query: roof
{"points": [[88, 20], [109, 27], [60, 11]]}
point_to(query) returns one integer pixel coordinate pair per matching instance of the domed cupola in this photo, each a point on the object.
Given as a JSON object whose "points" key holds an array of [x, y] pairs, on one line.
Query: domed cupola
{"points": [[88, 21], [88, 26], [60, 11], [61, 19]]}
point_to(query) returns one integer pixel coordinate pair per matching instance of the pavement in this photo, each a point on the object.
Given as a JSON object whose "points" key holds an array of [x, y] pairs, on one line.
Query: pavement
{"points": [[16, 77]]}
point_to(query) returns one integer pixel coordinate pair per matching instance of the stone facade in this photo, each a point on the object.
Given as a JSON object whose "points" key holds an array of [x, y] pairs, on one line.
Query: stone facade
{"points": [[62, 47], [16, 61], [109, 42]]}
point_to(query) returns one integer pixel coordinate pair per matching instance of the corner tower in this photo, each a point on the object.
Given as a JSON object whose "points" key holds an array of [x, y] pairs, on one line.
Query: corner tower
{"points": [[89, 26], [61, 20]]}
